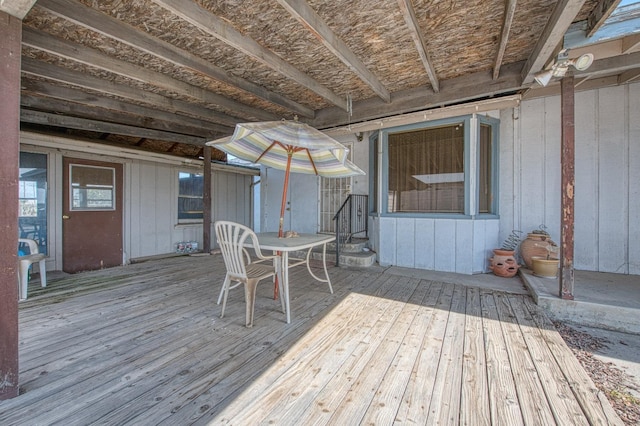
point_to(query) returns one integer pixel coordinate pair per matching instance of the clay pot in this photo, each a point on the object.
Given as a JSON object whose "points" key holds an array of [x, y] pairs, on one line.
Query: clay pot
{"points": [[503, 263], [535, 245], [546, 268]]}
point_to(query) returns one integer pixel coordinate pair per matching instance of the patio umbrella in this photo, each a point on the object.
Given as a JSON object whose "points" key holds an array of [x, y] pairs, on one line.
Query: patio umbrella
{"points": [[290, 146]]}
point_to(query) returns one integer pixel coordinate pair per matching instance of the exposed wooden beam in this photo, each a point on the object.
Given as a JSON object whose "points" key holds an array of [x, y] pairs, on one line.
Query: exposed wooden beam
{"points": [[96, 113], [599, 14], [51, 92], [97, 21], [300, 10], [213, 25], [416, 34], [612, 65], [49, 119], [509, 12], [456, 90], [10, 34], [630, 43], [629, 76], [206, 200], [17, 8], [567, 185], [82, 54], [563, 14], [51, 72]]}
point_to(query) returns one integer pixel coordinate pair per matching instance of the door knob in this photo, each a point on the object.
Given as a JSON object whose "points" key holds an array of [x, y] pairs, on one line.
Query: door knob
{"points": [[66, 217]]}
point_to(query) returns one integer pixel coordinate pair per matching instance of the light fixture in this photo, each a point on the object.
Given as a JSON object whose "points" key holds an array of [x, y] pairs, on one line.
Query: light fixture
{"points": [[561, 66]]}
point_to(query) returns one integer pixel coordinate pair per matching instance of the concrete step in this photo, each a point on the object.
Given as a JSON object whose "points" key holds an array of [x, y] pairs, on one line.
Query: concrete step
{"points": [[357, 245], [363, 258]]}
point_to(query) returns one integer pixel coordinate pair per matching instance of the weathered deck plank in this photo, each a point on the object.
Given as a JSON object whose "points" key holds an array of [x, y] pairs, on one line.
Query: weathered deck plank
{"points": [[144, 344]]}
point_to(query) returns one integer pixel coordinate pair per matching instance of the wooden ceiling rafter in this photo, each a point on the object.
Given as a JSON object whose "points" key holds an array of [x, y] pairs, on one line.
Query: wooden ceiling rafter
{"points": [[151, 121], [122, 32], [561, 18], [629, 76], [52, 119], [213, 25], [75, 78], [95, 59], [599, 15], [507, 21], [17, 8], [300, 10], [64, 98], [630, 43], [418, 38]]}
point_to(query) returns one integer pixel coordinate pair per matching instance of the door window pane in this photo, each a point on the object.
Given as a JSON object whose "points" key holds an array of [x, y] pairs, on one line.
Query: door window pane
{"points": [[92, 188], [32, 194]]}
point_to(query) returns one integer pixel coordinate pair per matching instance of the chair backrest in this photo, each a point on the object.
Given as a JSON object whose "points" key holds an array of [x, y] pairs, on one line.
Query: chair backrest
{"points": [[231, 238], [33, 245]]}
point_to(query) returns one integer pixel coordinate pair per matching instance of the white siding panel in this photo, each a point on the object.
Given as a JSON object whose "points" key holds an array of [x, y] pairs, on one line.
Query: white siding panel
{"points": [[387, 249], [586, 199], [532, 172], [425, 244], [464, 246], [445, 245], [634, 178], [552, 167], [614, 169], [479, 263], [406, 244]]}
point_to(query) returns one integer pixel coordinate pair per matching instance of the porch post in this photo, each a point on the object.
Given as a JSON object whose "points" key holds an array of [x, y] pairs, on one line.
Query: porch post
{"points": [[567, 161], [206, 200], [10, 50]]}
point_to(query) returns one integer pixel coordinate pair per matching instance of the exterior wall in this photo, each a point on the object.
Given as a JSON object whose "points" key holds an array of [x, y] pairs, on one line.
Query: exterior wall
{"points": [[150, 195], [607, 190], [607, 199], [448, 245]]}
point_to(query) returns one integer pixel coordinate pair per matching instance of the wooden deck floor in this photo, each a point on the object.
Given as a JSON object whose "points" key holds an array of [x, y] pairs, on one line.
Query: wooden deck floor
{"points": [[144, 344]]}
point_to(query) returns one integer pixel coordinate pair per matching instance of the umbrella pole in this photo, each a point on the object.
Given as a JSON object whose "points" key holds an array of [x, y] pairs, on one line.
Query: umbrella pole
{"points": [[284, 194], [282, 207]]}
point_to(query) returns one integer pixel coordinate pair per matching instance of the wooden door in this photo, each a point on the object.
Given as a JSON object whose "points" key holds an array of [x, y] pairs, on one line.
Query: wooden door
{"points": [[92, 215]]}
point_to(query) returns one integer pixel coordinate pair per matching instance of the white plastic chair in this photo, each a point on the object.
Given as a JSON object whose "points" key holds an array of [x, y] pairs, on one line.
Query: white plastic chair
{"points": [[26, 261], [232, 238]]}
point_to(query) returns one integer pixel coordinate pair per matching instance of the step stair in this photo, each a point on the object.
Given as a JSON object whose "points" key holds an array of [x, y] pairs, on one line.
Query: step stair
{"points": [[355, 253]]}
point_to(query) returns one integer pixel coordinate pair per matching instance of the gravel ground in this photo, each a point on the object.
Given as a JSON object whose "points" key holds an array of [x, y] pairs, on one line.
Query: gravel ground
{"points": [[613, 361]]}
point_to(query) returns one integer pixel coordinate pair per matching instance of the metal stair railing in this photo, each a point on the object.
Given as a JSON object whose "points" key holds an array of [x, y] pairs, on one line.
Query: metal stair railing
{"points": [[351, 219]]}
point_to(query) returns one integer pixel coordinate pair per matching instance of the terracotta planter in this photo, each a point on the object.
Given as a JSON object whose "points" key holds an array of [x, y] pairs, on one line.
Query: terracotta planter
{"points": [[534, 245], [546, 268], [503, 263]]}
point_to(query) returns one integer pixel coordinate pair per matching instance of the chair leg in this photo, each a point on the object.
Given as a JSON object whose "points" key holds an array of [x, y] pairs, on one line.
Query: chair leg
{"points": [[222, 289], [225, 289], [43, 273], [250, 300], [23, 273]]}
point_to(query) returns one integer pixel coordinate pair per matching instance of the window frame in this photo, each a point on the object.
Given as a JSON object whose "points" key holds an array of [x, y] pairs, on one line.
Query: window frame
{"points": [[470, 122], [187, 221]]}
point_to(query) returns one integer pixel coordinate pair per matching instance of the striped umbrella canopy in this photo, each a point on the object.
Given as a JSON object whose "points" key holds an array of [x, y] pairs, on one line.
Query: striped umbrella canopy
{"points": [[290, 146]]}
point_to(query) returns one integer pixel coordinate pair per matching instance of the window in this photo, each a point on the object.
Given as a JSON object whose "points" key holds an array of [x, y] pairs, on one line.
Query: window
{"points": [[32, 194], [92, 188], [190, 193], [433, 168], [485, 168], [426, 170]]}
